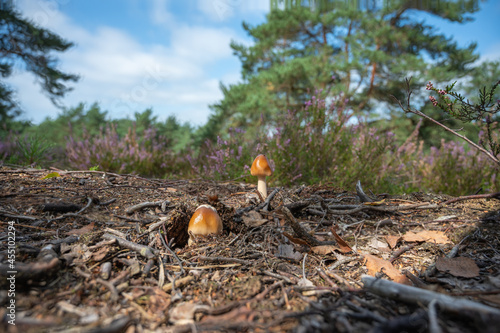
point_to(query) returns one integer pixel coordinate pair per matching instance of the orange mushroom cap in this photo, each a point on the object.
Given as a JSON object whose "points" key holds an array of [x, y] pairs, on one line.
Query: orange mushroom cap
{"points": [[260, 167], [205, 221]]}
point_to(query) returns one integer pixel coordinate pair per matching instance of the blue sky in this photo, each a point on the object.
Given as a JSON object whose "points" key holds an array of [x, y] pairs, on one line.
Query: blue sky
{"points": [[170, 55]]}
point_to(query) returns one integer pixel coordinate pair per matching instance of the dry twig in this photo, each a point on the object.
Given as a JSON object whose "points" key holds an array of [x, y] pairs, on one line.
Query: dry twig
{"points": [[414, 295]]}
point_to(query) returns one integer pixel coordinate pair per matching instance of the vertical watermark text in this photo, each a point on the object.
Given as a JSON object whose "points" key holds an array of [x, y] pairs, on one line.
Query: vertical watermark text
{"points": [[11, 273]]}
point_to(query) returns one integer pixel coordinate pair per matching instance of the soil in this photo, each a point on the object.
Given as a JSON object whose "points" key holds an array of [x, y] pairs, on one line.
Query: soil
{"points": [[86, 258]]}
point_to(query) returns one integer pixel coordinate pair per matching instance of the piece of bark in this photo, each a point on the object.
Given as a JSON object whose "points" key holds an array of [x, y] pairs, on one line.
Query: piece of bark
{"points": [[60, 207]]}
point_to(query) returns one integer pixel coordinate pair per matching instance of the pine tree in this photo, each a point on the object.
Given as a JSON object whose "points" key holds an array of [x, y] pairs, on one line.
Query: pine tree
{"points": [[24, 43], [360, 55]]}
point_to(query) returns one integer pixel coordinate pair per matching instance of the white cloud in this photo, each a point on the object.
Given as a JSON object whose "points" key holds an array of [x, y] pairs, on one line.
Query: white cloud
{"points": [[159, 13], [45, 13], [492, 53], [222, 10], [219, 10], [125, 76], [201, 44]]}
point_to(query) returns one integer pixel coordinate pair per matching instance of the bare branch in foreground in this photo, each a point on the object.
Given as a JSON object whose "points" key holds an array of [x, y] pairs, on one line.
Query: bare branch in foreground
{"points": [[414, 295]]}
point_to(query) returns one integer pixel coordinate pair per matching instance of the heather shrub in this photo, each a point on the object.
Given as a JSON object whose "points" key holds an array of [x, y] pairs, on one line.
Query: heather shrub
{"points": [[149, 155], [224, 159], [7, 148], [322, 143], [483, 114], [315, 144], [456, 169], [318, 144], [453, 168]]}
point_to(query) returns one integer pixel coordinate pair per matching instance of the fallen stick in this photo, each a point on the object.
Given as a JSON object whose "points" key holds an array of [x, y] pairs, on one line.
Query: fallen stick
{"points": [[361, 194], [143, 250], [225, 259], [14, 216], [468, 197], [142, 205], [178, 283], [30, 271], [414, 295], [301, 232], [265, 205]]}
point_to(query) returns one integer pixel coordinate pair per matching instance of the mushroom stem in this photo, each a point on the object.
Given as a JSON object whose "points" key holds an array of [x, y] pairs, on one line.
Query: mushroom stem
{"points": [[262, 186]]}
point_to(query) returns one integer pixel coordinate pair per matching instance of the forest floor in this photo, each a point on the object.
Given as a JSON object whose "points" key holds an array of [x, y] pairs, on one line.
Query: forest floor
{"points": [[101, 252]]}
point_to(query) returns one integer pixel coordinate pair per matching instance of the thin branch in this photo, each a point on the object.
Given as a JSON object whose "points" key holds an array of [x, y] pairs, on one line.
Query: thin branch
{"points": [[143, 250], [446, 128], [468, 197]]}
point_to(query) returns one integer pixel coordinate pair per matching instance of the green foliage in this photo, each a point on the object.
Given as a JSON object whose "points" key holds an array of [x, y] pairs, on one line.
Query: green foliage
{"points": [[148, 154], [317, 144], [481, 113], [22, 42], [357, 54], [31, 150], [323, 143], [228, 158], [82, 121], [453, 168]]}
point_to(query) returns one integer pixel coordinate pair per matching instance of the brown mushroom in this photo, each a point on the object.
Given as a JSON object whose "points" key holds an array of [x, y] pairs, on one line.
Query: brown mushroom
{"points": [[261, 169], [205, 221]]}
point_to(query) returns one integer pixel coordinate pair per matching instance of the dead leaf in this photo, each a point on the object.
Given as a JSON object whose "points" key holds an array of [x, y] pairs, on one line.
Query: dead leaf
{"points": [[84, 230], [305, 283], [184, 312], [295, 240], [52, 175], [100, 254], [392, 240], [460, 266], [378, 245], [374, 203], [324, 249], [253, 219], [344, 247], [375, 265], [431, 236], [288, 251], [81, 253]]}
